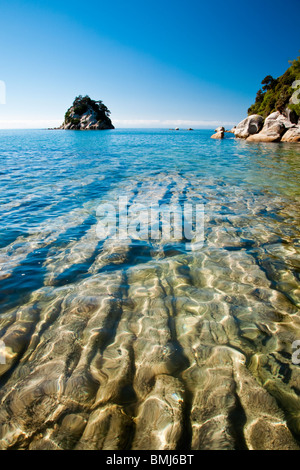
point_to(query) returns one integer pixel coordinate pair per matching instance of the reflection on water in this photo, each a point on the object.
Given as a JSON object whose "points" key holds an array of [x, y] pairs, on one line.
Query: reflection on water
{"points": [[144, 345]]}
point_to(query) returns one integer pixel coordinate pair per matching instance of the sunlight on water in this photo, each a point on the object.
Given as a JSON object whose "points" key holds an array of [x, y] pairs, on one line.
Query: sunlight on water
{"points": [[144, 344]]}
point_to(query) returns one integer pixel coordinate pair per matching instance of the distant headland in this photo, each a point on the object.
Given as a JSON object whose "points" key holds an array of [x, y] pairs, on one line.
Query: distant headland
{"points": [[87, 114], [275, 115]]}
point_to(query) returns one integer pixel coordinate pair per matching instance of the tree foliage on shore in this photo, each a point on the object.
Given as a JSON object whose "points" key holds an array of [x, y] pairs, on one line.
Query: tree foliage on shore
{"points": [[276, 93]]}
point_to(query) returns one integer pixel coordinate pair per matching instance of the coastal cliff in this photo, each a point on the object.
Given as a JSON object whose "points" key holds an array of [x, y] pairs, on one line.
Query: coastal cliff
{"points": [[87, 114]]}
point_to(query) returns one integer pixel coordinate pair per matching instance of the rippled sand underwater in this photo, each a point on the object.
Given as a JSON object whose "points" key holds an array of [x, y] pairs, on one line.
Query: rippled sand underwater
{"points": [[146, 345]]}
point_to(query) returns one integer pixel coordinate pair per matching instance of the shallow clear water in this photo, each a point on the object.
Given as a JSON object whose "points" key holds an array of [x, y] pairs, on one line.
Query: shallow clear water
{"points": [[145, 344]]}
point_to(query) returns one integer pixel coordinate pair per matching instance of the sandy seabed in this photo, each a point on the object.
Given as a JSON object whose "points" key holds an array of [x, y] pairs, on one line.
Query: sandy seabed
{"points": [[155, 347]]}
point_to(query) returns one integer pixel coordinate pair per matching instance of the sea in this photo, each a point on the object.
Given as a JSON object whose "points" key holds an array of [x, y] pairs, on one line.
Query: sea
{"points": [[117, 337]]}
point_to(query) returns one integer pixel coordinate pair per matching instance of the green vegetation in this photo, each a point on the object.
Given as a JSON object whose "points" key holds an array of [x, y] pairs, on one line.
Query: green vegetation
{"points": [[276, 94]]}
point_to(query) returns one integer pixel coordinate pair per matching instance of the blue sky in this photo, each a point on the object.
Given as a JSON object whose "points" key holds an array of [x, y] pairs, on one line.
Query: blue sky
{"points": [[154, 64]]}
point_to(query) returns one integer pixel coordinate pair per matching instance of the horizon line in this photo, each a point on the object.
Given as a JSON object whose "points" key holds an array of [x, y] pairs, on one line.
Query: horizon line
{"points": [[119, 124]]}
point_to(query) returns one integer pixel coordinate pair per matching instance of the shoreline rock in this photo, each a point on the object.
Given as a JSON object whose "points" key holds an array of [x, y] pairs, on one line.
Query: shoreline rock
{"points": [[219, 133], [272, 131], [277, 127], [249, 126], [292, 135]]}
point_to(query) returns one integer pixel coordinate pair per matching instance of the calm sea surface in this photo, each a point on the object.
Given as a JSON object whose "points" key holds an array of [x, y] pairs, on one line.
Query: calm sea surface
{"points": [[144, 344]]}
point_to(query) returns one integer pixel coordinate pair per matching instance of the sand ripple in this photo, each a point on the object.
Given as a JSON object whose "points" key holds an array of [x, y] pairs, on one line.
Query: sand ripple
{"points": [[139, 345]]}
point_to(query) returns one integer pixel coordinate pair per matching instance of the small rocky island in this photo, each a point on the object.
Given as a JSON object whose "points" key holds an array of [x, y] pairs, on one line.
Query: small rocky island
{"points": [[87, 114], [275, 115]]}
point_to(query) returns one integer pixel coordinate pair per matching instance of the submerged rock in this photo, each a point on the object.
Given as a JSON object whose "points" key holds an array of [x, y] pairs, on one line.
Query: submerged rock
{"points": [[87, 114]]}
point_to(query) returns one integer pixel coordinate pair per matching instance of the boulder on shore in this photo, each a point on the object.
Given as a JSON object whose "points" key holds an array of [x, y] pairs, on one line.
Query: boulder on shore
{"points": [[249, 126], [292, 135], [276, 125], [218, 135], [272, 131], [277, 116]]}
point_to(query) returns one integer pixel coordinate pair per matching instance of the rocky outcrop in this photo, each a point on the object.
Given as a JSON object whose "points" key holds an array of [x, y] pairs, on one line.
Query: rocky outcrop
{"points": [[277, 103], [87, 114], [219, 133], [249, 126], [278, 94], [275, 115], [292, 135], [285, 119], [275, 126], [272, 131]]}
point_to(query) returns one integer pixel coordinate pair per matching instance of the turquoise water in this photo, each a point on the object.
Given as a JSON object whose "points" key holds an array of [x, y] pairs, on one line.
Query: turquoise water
{"points": [[145, 344]]}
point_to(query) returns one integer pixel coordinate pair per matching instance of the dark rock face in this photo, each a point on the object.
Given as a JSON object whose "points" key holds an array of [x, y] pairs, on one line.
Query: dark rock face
{"points": [[87, 114]]}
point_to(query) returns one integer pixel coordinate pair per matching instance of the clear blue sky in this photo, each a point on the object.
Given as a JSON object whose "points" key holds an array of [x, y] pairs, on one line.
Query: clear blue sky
{"points": [[154, 64]]}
